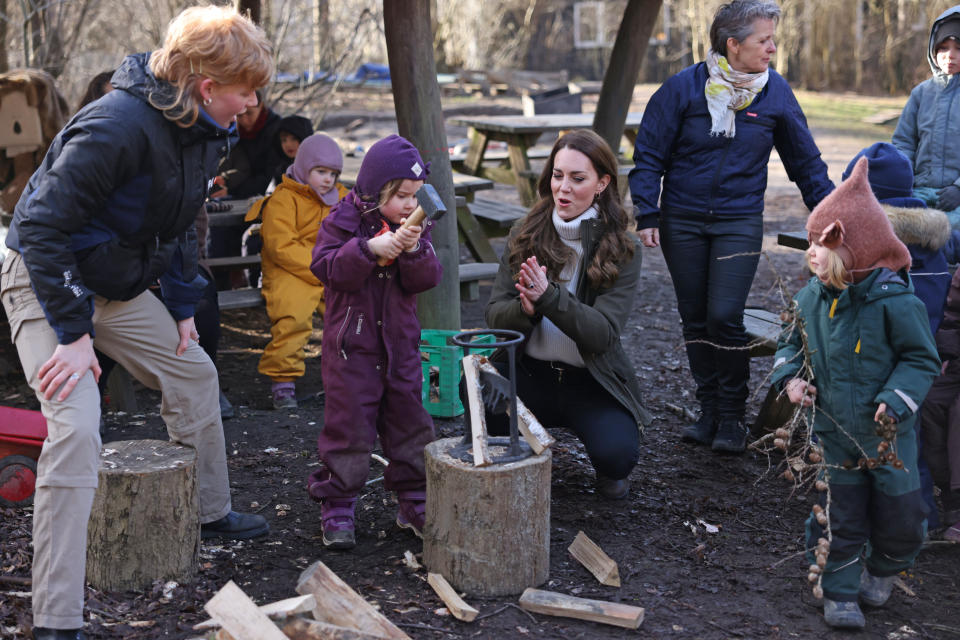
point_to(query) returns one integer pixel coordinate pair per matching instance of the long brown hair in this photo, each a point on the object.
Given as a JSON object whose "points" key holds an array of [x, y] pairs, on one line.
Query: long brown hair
{"points": [[538, 237]]}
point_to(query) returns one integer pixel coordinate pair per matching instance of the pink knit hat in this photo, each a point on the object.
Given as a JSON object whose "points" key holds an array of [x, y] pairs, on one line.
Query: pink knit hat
{"points": [[851, 221]]}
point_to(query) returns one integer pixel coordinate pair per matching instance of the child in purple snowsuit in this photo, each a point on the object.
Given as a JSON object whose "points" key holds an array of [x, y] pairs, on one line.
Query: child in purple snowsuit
{"points": [[370, 357]]}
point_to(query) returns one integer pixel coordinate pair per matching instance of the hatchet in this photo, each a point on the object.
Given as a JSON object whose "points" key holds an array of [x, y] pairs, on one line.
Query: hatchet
{"points": [[429, 207]]}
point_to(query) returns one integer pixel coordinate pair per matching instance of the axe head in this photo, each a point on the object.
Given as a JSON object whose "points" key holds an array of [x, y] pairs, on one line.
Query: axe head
{"points": [[429, 200]]}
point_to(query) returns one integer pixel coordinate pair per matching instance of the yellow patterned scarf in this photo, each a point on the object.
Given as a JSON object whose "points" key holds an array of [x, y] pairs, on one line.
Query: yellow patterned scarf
{"points": [[727, 91]]}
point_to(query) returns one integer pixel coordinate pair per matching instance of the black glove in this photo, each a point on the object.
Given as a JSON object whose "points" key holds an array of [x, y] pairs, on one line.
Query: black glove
{"points": [[494, 392], [948, 198]]}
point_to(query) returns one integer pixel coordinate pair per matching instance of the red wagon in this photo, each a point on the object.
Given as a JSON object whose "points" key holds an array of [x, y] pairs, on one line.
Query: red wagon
{"points": [[22, 433]]}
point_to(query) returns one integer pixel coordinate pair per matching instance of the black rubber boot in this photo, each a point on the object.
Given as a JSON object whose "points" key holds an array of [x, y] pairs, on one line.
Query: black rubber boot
{"points": [[702, 431], [731, 436]]}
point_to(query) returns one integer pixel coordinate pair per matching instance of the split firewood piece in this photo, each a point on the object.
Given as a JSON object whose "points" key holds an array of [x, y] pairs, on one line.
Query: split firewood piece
{"points": [[530, 428], [304, 629], [602, 566], [239, 616], [478, 419], [455, 604], [275, 610], [558, 604], [340, 605]]}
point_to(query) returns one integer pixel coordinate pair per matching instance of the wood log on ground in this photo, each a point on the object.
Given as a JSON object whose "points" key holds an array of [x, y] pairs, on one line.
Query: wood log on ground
{"points": [[144, 524], [304, 629], [591, 556], [558, 604], [274, 610], [239, 616], [488, 528], [455, 604], [340, 605]]}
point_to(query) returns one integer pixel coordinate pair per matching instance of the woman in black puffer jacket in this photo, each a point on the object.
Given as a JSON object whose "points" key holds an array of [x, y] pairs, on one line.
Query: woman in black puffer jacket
{"points": [[110, 211]]}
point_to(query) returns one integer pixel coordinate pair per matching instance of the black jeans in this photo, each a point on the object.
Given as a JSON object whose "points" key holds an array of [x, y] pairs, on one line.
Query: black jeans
{"points": [[712, 261], [568, 396]]}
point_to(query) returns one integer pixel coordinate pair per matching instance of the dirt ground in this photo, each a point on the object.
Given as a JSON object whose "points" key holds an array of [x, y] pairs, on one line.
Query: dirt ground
{"points": [[746, 580]]}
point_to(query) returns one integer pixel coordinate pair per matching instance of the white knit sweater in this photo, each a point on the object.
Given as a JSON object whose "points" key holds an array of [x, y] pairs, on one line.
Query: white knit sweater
{"points": [[547, 341]]}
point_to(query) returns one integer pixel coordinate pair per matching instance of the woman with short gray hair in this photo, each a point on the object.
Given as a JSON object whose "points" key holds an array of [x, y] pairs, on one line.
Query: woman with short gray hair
{"points": [[707, 133]]}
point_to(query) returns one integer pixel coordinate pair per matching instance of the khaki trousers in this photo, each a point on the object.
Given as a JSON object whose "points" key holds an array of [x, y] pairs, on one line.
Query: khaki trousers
{"points": [[141, 335]]}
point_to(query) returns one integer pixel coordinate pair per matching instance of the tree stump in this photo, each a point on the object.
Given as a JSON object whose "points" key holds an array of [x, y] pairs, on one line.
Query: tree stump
{"points": [[144, 525], [488, 528]]}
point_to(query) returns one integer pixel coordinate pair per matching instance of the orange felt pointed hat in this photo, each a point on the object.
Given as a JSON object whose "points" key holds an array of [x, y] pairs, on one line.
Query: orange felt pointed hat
{"points": [[851, 222]]}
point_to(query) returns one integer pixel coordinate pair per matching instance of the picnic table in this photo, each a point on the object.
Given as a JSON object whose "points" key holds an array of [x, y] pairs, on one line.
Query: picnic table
{"points": [[520, 133]]}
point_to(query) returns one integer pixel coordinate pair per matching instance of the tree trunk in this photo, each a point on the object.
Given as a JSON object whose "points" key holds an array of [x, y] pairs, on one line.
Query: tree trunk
{"points": [[321, 34], [144, 524], [416, 96], [251, 7], [626, 58], [488, 528], [4, 58]]}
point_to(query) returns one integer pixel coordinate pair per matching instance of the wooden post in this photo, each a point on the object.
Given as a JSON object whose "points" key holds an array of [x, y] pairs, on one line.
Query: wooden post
{"points": [[416, 96], [144, 524], [488, 528], [626, 58]]}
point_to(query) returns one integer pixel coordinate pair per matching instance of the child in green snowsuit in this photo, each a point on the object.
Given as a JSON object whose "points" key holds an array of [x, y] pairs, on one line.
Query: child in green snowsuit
{"points": [[871, 353]]}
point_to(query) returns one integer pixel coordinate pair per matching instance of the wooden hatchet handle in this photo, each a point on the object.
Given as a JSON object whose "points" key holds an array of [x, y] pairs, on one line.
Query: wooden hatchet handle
{"points": [[416, 217]]}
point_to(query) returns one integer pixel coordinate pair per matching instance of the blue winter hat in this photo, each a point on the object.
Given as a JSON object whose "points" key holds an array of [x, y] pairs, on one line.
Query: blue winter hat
{"points": [[890, 174], [389, 159]]}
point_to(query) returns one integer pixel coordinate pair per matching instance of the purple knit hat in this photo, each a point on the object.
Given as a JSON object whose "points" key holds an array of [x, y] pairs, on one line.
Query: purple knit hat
{"points": [[317, 150], [388, 159]]}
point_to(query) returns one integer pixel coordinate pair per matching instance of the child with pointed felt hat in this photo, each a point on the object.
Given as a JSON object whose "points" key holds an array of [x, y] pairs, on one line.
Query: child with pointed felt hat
{"points": [[869, 348]]}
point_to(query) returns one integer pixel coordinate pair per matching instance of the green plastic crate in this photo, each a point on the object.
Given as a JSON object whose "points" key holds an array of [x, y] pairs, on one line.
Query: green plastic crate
{"points": [[440, 359]]}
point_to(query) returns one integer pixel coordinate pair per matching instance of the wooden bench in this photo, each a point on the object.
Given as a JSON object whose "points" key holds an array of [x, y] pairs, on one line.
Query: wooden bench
{"points": [[239, 298], [470, 275], [763, 329], [500, 156], [496, 217]]}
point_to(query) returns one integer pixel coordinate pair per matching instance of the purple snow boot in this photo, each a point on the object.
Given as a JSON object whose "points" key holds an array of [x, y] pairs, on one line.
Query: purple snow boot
{"points": [[284, 395], [338, 528], [412, 511]]}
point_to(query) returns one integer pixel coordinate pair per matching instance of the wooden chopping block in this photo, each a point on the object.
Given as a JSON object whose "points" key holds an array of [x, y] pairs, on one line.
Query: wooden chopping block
{"points": [[145, 522], [488, 528]]}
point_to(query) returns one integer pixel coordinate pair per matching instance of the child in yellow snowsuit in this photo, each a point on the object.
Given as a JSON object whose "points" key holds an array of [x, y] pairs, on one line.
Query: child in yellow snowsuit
{"points": [[291, 218]]}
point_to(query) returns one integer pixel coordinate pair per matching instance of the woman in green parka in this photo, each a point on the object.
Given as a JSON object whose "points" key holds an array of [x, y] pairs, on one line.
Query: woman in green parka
{"points": [[567, 282], [870, 354]]}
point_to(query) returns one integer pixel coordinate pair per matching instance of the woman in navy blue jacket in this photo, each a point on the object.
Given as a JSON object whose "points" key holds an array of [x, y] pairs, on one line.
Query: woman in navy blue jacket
{"points": [[708, 132]]}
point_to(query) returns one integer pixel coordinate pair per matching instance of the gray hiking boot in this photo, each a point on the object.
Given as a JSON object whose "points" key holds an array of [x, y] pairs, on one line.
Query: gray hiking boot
{"points": [[843, 615], [875, 591]]}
